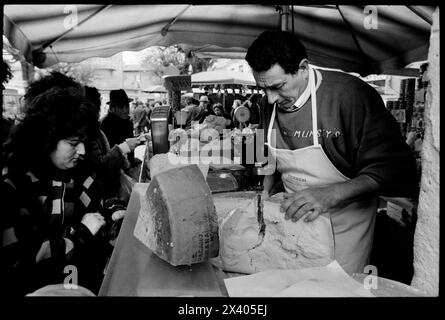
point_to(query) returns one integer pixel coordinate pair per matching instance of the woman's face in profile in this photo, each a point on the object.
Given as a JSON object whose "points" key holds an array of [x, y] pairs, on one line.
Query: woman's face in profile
{"points": [[68, 153], [218, 111]]}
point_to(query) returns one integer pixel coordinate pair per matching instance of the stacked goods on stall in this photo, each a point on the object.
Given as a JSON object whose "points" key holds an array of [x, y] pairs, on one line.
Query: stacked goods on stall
{"points": [[406, 109], [417, 122], [402, 109], [407, 97], [419, 105]]}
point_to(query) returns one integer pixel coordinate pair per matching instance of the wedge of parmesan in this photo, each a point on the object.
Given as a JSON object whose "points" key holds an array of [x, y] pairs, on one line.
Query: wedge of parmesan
{"points": [[249, 244], [177, 220]]}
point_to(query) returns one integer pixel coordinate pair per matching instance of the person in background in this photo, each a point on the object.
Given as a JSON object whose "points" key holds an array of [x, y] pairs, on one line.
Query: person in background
{"points": [[140, 120], [200, 113], [254, 108], [148, 109], [236, 103], [118, 129], [196, 113], [117, 125], [107, 162], [337, 147], [206, 104], [51, 209], [218, 110]]}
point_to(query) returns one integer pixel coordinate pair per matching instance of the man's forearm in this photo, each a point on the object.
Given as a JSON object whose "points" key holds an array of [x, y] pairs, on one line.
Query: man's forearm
{"points": [[356, 188]]}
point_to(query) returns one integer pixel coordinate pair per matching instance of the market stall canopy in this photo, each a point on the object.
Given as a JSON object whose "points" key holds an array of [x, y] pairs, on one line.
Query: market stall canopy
{"points": [[223, 77], [362, 39]]}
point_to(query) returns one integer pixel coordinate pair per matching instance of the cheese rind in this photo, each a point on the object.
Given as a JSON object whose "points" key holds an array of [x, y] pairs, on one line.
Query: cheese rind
{"points": [[178, 220]]}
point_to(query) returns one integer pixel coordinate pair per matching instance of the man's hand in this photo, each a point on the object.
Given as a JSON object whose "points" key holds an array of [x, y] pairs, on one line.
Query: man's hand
{"points": [[133, 143], [319, 200], [314, 201], [93, 221]]}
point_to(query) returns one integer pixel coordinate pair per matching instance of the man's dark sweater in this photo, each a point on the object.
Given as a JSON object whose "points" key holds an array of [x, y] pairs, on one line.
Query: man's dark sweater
{"points": [[116, 129], [356, 131]]}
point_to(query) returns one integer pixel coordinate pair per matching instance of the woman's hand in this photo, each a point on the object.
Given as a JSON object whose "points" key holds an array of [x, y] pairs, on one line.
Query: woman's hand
{"points": [[93, 221], [119, 214]]}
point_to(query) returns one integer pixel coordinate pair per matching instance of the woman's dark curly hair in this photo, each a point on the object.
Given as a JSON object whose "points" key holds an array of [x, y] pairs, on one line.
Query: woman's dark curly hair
{"points": [[52, 80], [273, 47], [56, 114]]}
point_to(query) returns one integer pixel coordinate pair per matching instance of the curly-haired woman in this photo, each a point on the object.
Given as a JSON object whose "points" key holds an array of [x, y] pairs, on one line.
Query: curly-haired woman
{"points": [[50, 221]]}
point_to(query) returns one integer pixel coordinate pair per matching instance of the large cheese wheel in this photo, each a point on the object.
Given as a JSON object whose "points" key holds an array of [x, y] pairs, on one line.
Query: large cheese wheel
{"points": [[177, 220], [282, 244]]}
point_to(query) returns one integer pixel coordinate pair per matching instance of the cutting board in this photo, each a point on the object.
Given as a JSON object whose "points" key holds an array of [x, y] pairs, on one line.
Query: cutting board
{"points": [[134, 270]]}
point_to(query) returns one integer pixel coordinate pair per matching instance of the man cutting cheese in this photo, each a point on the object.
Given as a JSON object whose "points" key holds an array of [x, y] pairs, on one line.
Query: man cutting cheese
{"points": [[356, 154]]}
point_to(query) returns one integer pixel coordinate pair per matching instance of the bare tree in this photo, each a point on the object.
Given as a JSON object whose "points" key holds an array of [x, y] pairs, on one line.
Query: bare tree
{"points": [[158, 58], [83, 73]]}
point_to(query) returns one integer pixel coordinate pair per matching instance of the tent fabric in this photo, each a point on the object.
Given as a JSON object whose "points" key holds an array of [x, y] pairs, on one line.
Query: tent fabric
{"points": [[362, 39], [223, 77]]}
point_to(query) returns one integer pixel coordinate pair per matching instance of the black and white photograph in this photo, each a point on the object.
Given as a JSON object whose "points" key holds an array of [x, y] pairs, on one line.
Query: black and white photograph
{"points": [[223, 150]]}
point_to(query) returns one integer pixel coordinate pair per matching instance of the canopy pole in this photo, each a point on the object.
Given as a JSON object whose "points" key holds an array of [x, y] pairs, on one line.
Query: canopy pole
{"points": [[293, 25], [420, 14], [51, 42], [164, 30], [284, 15]]}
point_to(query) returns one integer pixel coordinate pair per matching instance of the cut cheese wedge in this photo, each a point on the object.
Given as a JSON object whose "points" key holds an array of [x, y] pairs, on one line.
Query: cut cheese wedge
{"points": [[177, 220], [248, 245]]}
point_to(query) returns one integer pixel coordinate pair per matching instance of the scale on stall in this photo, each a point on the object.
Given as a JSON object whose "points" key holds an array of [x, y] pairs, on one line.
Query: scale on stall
{"points": [[242, 115], [161, 119]]}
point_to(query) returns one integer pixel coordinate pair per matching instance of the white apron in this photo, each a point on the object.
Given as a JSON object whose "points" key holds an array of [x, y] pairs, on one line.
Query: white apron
{"points": [[353, 226]]}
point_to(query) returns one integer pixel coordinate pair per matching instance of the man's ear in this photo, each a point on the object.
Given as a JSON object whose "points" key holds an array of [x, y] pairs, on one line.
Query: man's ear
{"points": [[304, 64]]}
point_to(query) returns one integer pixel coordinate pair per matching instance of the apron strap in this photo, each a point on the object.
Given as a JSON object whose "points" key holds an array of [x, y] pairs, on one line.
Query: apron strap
{"points": [[269, 130], [314, 106], [314, 112]]}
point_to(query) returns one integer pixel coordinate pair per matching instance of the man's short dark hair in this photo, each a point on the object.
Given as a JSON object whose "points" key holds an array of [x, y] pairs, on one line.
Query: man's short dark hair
{"points": [[273, 47]]}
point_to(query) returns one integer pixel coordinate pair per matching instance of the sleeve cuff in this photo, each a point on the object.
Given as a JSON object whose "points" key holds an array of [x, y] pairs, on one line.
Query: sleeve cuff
{"points": [[124, 147], [81, 233]]}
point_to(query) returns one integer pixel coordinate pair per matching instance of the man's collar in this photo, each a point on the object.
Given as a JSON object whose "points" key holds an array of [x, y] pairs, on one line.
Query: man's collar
{"points": [[304, 97]]}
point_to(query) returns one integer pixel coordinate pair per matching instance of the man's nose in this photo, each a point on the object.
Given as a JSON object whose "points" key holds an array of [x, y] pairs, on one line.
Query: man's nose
{"points": [[80, 149], [272, 96]]}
